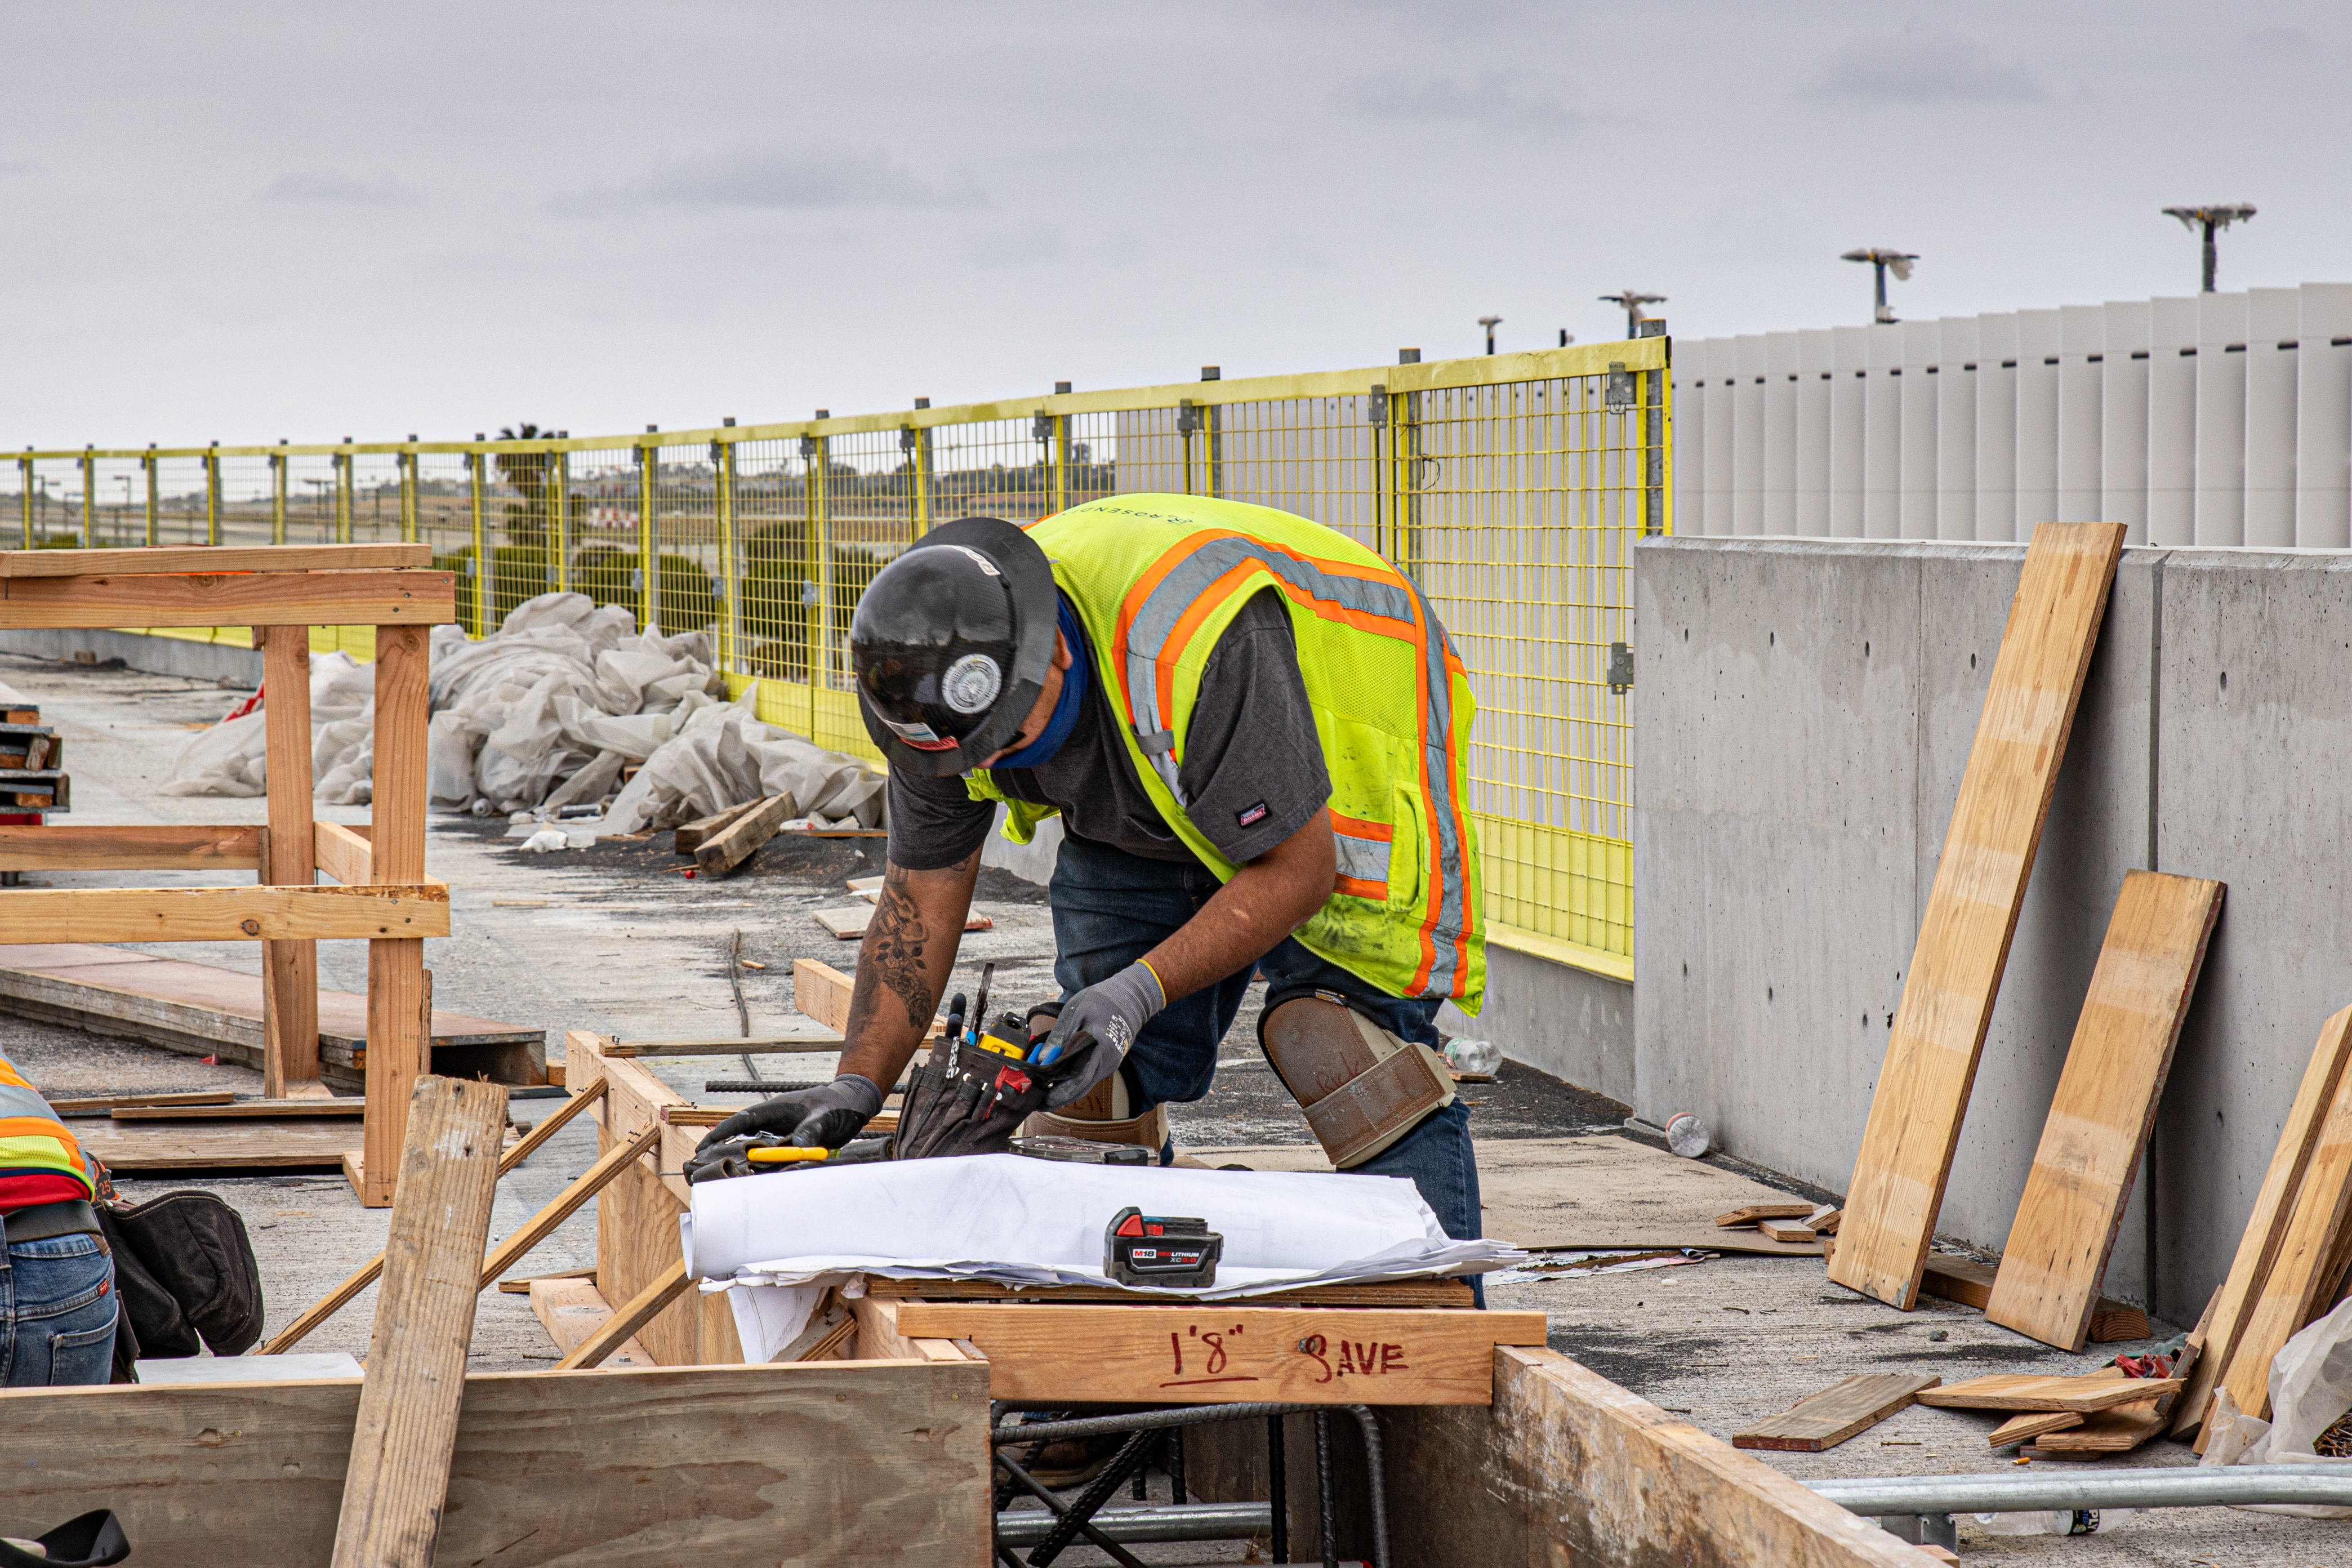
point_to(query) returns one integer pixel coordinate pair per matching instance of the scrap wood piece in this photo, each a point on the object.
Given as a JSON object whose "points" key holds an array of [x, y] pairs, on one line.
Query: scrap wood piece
{"points": [[848, 923], [2031, 1424], [642, 1308], [521, 1286], [702, 830], [1981, 879], [2048, 1285], [398, 1479], [1751, 1214], [1826, 1223], [2297, 1287], [2083, 1396], [1969, 1283], [2117, 1431], [733, 843], [1825, 1419], [334, 1300], [101, 1104], [1789, 1230], [244, 1109], [2218, 1331], [572, 1310]]}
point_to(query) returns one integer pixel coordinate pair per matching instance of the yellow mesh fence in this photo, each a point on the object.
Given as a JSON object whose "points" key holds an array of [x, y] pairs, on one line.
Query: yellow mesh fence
{"points": [[1511, 489]]}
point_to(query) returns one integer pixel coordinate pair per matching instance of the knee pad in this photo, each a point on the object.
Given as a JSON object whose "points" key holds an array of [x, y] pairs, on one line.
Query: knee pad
{"points": [[1105, 1114], [1362, 1087]]}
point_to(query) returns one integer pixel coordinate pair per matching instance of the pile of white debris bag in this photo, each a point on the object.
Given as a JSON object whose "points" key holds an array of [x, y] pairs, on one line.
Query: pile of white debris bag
{"points": [[549, 712]]}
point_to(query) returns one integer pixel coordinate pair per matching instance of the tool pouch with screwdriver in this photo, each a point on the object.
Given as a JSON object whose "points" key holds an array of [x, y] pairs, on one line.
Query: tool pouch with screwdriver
{"points": [[972, 1099]]}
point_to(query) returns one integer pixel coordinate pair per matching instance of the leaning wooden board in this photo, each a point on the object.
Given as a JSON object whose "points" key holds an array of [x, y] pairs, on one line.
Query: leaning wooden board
{"points": [[1824, 1420], [2105, 1104], [1218, 1351], [1969, 1283], [2025, 1391], [1956, 968], [2225, 1314]]}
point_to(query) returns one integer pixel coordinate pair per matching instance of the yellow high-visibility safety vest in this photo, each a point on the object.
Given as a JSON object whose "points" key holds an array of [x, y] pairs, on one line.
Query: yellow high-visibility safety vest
{"points": [[33, 1139], [1156, 579]]}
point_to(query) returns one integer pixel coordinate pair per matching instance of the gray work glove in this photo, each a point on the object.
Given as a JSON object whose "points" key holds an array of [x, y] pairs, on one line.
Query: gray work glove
{"points": [[1110, 1013], [828, 1115]]}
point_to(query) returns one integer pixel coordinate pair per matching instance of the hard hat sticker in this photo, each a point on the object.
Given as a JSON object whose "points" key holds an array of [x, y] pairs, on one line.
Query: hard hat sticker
{"points": [[982, 561], [971, 683], [920, 736]]}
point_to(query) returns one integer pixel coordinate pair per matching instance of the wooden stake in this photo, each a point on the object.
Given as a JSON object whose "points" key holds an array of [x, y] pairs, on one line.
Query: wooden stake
{"points": [[407, 1427], [397, 1030], [289, 990]]}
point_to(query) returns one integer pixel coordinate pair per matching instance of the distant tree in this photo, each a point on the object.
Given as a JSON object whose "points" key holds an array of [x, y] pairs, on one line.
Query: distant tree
{"points": [[531, 476]]}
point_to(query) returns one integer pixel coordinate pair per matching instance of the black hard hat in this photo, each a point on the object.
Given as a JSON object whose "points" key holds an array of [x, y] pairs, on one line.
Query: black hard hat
{"points": [[950, 644]]}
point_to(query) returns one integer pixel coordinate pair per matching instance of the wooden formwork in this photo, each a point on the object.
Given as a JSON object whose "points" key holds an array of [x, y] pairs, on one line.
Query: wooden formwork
{"points": [[381, 895]]}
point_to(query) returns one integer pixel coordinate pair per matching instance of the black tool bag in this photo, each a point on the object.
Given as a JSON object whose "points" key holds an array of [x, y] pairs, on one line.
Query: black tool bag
{"points": [[966, 1100], [184, 1270]]}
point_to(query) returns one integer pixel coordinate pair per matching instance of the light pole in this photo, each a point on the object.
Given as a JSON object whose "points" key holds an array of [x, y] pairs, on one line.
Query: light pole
{"points": [[2211, 221], [1882, 261], [1490, 323], [1633, 300]]}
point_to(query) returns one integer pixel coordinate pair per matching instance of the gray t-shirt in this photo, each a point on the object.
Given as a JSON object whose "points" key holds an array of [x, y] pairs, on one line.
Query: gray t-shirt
{"points": [[1252, 767]]}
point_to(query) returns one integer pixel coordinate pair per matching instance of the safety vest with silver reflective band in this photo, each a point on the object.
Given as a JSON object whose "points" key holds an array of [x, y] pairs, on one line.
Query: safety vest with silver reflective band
{"points": [[33, 1139], [1156, 579]]}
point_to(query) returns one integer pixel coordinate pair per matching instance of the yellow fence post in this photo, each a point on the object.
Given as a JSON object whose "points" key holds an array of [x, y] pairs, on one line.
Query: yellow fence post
{"points": [[1061, 462], [722, 468], [562, 481], [345, 495], [648, 563], [211, 494], [408, 495], [915, 441], [277, 497], [476, 461], [820, 526], [25, 498], [148, 462], [88, 498]]}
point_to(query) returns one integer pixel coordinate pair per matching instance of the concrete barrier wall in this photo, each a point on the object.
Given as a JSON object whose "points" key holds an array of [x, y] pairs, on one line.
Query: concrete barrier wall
{"points": [[1803, 712]]}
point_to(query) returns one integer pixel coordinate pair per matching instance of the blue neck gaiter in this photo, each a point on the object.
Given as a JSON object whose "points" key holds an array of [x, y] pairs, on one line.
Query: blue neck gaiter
{"points": [[1065, 712]]}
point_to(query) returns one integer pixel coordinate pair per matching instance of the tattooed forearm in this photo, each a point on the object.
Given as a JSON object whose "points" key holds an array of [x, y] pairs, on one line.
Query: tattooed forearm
{"points": [[903, 965], [894, 949]]}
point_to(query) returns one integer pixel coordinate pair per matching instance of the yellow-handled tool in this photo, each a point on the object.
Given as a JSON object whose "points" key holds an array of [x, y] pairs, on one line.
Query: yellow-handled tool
{"points": [[786, 1156]]}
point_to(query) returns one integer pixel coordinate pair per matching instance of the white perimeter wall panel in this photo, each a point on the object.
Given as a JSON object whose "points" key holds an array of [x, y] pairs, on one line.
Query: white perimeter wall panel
{"points": [[2222, 419], [2038, 341], [1780, 433], [1816, 355], [1881, 490], [1848, 429], [1996, 427], [1923, 352], [2271, 353], [1748, 434], [2172, 421], [2323, 418], [1955, 429], [2122, 419], [2083, 341], [1689, 463], [1722, 359]]}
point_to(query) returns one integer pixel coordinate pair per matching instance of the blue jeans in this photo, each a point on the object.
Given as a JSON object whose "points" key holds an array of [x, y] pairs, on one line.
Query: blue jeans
{"points": [[1111, 908], [57, 1310]]}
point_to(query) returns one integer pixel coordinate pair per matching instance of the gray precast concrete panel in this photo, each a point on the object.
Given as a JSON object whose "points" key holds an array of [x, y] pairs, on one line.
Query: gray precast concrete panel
{"points": [[1774, 836], [2323, 417], [2122, 419], [2082, 334], [1779, 389], [1748, 434], [2272, 353], [1816, 357], [2039, 342], [1848, 429], [2222, 419], [1562, 1020], [1923, 348], [1882, 493], [2172, 421], [1995, 427], [1955, 429], [2255, 744]]}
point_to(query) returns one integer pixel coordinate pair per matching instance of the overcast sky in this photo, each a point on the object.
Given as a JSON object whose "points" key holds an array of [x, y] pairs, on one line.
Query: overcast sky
{"points": [[244, 222]]}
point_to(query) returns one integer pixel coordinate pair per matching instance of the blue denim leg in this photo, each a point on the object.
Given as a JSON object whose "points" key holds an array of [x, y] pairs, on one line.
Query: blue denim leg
{"points": [[57, 1311]]}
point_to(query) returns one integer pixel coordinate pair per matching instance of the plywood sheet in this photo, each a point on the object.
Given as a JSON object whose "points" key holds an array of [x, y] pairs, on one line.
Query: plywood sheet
{"points": [[2258, 1246], [2099, 1119], [1956, 968], [132, 1146], [2027, 1391], [1824, 1420]]}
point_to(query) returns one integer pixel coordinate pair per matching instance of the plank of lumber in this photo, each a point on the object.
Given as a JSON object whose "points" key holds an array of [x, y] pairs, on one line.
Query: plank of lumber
{"points": [[2258, 1246], [318, 599], [521, 1286], [848, 923], [2025, 1391], [733, 843], [572, 1310], [1790, 1230], [562, 1206], [342, 854], [1751, 1214], [399, 992], [61, 847], [695, 833], [715, 1466], [2048, 1286], [2117, 1323], [2116, 1431], [398, 1479], [672, 1283], [2296, 1287], [221, 914], [1956, 969], [116, 1101], [1827, 1225], [326, 1306], [2031, 1424], [1825, 1419], [244, 1109], [140, 1147], [779, 1045], [213, 559], [1218, 1351], [822, 992], [1379, 1293], [880, 1337], [289, 991]]}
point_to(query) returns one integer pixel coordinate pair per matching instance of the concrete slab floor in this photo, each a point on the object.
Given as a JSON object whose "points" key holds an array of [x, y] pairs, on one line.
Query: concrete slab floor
{"points": [[612, 939]]}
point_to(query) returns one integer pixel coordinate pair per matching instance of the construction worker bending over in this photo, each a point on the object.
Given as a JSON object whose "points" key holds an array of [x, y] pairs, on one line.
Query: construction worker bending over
{"points": [[58, 1305], [1253, 729]]}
